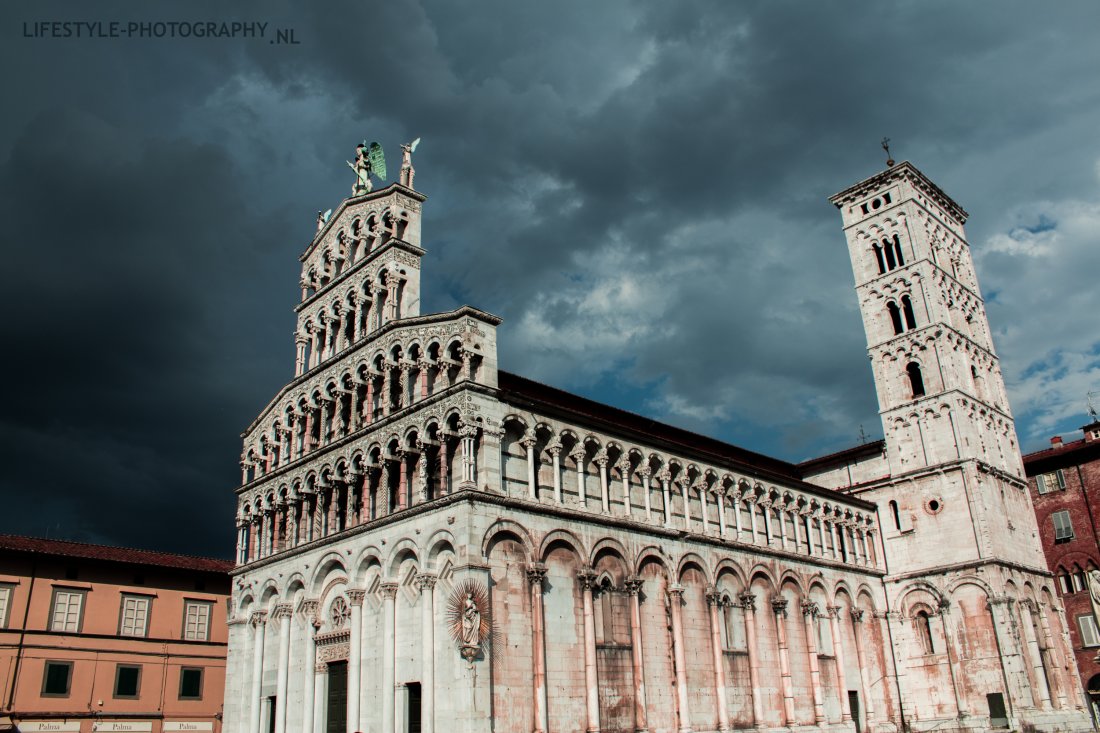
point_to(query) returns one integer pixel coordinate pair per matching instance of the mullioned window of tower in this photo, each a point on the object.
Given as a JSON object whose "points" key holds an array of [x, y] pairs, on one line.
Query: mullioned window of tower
{"points": [[902, 318], [888, 254]]}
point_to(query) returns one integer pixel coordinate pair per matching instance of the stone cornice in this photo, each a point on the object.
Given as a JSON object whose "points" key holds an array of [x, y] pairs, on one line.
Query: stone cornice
{"points": [[907, 171], [968, 565]]}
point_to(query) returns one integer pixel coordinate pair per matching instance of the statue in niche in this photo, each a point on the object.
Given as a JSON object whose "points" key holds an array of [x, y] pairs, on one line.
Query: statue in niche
{"points": [[471, 622]]}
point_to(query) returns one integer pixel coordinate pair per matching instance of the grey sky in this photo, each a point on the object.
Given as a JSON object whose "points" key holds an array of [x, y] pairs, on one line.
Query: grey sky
{"points": [[638, 189]]}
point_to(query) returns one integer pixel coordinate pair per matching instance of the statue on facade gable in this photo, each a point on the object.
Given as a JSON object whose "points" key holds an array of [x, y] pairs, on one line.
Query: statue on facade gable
{"points": [[369, 161], [407, 170]]}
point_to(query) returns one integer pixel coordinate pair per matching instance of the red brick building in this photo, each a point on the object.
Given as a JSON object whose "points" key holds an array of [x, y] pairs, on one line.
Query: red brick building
{"points": [[1065, 489], [96, 638]]}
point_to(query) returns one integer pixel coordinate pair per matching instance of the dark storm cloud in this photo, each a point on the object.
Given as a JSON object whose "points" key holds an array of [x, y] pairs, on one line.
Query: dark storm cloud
{"points": [[638, 188]]}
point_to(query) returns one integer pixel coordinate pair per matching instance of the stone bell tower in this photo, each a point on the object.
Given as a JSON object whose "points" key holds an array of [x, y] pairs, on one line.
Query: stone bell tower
{"points": [[945, 415], [980, 639]]}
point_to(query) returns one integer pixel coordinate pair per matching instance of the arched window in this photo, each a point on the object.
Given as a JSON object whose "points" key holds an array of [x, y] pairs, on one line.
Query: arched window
{"points": [[878, 257], [895, 317], [895, 514], [916, 381], [924, 631], [897, 250], [907, 309], [888, 251]]}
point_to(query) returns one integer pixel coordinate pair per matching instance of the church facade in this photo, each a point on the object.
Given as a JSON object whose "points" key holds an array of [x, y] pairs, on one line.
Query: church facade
{"points": [[427, 542]]}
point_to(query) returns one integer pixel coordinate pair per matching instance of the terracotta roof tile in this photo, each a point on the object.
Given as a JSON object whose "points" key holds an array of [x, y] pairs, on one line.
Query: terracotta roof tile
{"points": [[66, 548]]}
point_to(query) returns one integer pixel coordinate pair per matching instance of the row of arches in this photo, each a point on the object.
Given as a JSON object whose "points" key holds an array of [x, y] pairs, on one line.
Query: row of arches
{"points": [[393, 377], [365, 234]]}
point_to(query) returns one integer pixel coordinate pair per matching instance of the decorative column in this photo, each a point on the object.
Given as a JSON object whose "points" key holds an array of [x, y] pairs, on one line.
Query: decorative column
{"points": [[258, 621], [676, 600], [1011, 651], [469, 457], [422, 471], [368, 403], [577, 454], [402, 479], [283, 612], [645, 472], [807, 519], [528, 442], [751, 501], [665, 476], [1058, 691], [536, 575], [864, 671], [601, 460], [320, 684], [355, 657], [587, 578], [309, 616], [623, 466], [444, 465], [720, 502], [701, 489], [389, 593], [426, 582], [781, 517], [554, 448], [714, 600], [748, 607], [735, 504], [1027, 612], [832, 536], [299, 355], [634, 587], [779, 608], [422, 377], [810, 611], [838, 655]]}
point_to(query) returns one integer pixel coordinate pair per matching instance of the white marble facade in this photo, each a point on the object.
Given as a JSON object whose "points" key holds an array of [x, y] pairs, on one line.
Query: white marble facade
{"points": [[429, 543]]}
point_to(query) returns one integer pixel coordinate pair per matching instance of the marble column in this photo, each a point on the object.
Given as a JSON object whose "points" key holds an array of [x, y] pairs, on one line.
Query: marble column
{"points": [[259, 621], [864, 670], [587, 578], [577, 454], [555, 456], [283, 613], [810, 612], [320, 684], [645, 472], [687, 503], [355, 657], [752, 504], [469, 456], [838, 655], [1031, 642], [309, 656], [666, 496], [703, 513], [676, 601], [634, 588], [748, 607], [779, 608], [623, 467], [389, 596], [720, 502], [536, 575], [532, 473], [735, 504], [426, 582], [601, 461], [714, 602]]}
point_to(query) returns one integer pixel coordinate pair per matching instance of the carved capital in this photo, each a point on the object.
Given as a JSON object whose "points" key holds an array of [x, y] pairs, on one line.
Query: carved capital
{"points": [[356, 596], [587, 578], [633, 585], [676, 591], [426, 581], [257, 618], [281, 611], [536, 574], [712, 595], [388, 590], [779, 607], [810, 608], [748, 600], [857, 615]]}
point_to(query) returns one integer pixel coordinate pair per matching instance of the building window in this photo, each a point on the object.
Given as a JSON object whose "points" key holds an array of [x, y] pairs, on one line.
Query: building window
{"points": [[56, 679], [6, 592], [134, 616], [1065, 583], [127, 680], [196, 620], [1063, 527], [1078, 581], [1090, 635], [191, 683], [878, 258], [895, 514], [895, 317], [68, 610], [916, 380], [924, 632], [1053, 481], [907, 309]]}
